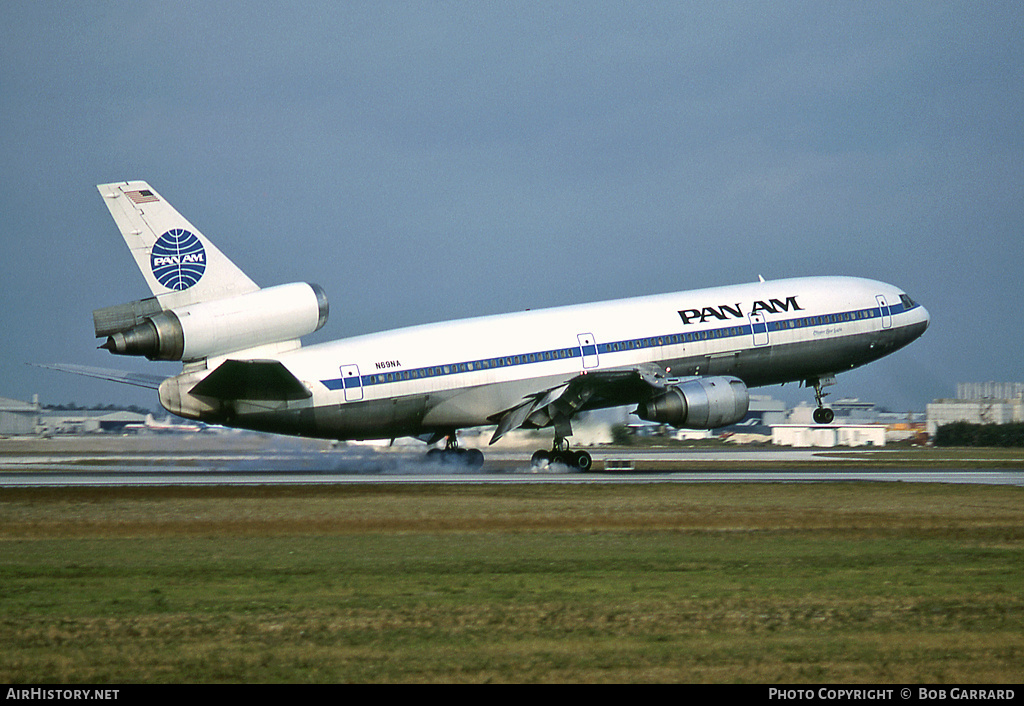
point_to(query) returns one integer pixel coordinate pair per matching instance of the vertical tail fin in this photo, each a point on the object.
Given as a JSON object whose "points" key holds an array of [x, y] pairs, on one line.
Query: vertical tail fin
{"points": [[180, 265]]}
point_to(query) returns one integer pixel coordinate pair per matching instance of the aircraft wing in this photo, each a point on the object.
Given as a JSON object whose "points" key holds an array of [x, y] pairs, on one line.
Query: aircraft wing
{"points": [[557, 405], [151, 382]]}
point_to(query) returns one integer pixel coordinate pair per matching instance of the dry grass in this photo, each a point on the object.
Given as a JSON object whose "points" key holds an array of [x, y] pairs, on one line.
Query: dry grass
{"points": [[754, 583], [254, 511]]}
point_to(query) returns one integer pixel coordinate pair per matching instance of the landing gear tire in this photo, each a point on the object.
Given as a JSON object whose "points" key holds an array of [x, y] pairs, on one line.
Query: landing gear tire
{"points": [[453, 455], [581, 460], [823, 415], [574, 460], [463, 458]]}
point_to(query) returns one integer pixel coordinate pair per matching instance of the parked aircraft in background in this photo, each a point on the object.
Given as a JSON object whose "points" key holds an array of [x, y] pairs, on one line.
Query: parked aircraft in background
{"points": [[151, 426], [685, 359]]}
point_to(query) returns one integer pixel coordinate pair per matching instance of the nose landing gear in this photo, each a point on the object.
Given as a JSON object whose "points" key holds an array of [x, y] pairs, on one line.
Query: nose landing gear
{"points": [[822, 415]]}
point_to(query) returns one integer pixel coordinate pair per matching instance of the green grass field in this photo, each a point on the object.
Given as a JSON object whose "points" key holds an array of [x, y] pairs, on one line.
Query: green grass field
{"points": [[868, 582]]}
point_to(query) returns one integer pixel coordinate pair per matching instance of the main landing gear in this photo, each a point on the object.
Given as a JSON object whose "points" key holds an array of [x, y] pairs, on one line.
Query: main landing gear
{"points": [[822, 415], [561, 453], [454, 455]]}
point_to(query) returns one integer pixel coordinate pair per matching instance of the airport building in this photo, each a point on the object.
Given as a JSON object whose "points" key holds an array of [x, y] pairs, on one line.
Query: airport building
{"points": [[19, 418], [979, 403], [828, 435], [88, 421], [857, 423]]}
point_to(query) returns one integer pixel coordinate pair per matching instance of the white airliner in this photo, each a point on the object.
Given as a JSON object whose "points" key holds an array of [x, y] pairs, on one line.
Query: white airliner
{"points": [[686, 359]]}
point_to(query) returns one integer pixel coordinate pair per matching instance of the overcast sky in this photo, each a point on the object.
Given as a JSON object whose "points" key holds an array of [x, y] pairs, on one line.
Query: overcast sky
{"points": [[427, 161]]}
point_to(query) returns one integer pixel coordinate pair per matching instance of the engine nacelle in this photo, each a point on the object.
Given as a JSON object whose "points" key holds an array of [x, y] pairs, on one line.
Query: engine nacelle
{"points": [[272, 315], [700, 403]]}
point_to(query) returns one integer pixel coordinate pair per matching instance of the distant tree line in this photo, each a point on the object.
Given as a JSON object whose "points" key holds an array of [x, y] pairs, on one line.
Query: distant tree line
{"points": [[621, 436], [965, 434], [72, 407]]}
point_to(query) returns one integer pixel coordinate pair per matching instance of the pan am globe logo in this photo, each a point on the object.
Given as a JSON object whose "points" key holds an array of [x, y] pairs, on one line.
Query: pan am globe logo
{"points": [[178, 259]]}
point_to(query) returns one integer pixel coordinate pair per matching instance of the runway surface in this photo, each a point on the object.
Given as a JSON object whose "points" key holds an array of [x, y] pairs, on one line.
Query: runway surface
{"points": [[224, 479], [166, 464]]}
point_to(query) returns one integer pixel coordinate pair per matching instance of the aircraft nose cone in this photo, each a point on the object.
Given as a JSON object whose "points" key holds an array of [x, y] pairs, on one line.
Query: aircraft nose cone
{"points": [[921, 323]]}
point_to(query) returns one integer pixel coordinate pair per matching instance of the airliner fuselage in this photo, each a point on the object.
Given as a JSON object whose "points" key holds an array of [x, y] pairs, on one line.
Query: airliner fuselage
{"points": [[685, 359], [439, 377]]}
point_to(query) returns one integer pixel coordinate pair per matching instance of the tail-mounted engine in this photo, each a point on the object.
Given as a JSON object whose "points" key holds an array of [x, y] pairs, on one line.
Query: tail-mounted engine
{"points": [[216, 327], [700, 403]]}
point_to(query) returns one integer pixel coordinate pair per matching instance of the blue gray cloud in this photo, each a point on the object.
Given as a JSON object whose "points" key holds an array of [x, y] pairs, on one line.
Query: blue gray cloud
{"points": [[426, 160]]}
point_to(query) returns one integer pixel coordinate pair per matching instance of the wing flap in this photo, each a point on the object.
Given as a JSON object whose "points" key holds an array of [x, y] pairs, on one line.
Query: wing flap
{"points": [[558, 404], [514, 418]]}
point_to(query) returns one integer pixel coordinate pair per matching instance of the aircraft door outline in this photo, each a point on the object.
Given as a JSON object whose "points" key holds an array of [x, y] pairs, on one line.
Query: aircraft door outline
{"points": [[884, 309], [352, 382], [588, 347], [759, 328]]}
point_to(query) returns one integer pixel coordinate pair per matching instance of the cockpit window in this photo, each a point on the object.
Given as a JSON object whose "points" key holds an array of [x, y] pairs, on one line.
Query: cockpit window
{"points": [[908, 303]]}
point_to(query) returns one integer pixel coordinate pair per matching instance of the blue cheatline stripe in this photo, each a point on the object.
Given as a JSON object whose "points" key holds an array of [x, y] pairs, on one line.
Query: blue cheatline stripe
{"points": [[631, 344]]}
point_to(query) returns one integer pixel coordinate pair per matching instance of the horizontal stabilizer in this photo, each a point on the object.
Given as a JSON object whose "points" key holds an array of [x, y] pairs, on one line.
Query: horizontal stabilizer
{"points": [[251, 380], [151, 382]]}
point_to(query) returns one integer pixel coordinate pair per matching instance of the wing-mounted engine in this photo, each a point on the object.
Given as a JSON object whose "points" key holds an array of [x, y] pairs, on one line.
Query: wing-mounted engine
{"points": [[700, 403], [215, 327]]}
